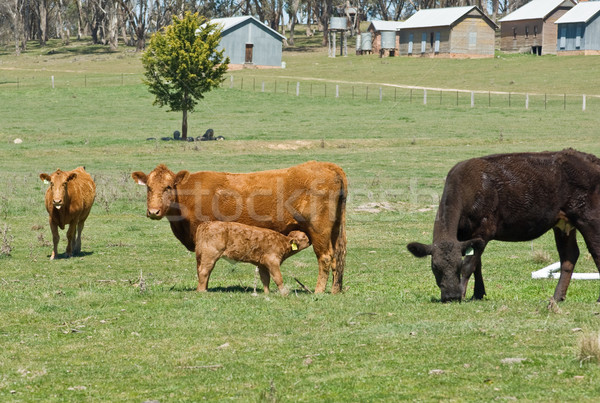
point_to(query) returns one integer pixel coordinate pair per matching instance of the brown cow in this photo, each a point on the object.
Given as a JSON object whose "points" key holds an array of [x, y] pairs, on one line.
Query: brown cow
{"points": [[69, 200], [513, 197], [262, 247], [309, 197]]}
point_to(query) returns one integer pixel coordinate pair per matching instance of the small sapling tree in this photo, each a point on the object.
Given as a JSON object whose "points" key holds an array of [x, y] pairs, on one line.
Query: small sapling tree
{"points": [[182, 63]]}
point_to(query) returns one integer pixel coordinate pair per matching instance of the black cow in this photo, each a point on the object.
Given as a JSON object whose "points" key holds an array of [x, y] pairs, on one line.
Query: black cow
{"points": [[513, 197]]}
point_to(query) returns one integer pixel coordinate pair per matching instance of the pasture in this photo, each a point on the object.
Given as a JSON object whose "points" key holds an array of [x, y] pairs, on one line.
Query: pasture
{"points": [[122, 322]]}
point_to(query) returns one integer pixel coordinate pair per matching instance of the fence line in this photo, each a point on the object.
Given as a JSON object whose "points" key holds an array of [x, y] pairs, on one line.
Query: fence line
{"points": [[397, 93], [316, 87]]}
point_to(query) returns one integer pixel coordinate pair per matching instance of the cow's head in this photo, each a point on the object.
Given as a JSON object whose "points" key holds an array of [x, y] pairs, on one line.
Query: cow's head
{"points": [[160, 183], [447, 263], [59, 181], [299, 239]]}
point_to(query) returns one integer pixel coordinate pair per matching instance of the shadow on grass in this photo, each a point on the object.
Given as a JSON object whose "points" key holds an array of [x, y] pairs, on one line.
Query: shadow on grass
{"points": [[64, 255], [235, 289]]}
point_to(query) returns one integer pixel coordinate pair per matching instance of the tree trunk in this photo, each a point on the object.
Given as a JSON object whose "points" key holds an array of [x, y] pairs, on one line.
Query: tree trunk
{"points": [[79, 19], [184, 125], [113, 25], [43, 22]]}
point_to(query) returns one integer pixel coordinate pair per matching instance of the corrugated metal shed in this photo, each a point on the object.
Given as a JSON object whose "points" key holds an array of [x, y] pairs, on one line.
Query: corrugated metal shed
{"points": [[439, 17], [582, 12], [246, 40], [535, 9], [232, 22], [386, 25]]}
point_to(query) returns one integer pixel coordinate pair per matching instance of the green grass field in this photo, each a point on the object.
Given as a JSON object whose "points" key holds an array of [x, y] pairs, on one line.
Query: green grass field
{"points": [[84, 329]]}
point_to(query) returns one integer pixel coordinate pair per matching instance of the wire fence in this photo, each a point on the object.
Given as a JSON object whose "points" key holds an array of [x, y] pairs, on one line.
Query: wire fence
{"points": [[422, 95], [336, 90]]}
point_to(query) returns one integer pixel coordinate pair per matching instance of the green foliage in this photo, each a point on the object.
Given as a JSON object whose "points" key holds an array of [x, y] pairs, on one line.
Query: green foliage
{"points": [[182, 62]]}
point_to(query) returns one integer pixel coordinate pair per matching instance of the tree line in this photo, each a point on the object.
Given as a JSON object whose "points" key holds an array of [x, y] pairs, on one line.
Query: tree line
{"points": [[108, 22]]}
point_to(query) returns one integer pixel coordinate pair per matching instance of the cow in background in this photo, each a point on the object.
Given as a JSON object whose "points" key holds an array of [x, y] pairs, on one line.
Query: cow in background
{"points": [[309, 197], [69, 200], [513, 197], [262, 247]]}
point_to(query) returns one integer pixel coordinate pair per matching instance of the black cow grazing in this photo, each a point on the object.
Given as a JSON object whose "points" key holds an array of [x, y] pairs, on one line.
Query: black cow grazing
{"points": [[513, 197]]}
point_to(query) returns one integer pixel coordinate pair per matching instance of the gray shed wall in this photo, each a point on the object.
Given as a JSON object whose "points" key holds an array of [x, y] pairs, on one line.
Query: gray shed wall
{"points": [[267, 47], [590, 35]]}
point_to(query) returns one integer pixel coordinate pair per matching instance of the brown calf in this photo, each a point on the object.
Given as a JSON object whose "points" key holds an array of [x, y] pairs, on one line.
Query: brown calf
{"points": [[262, 247], [68, 201]]}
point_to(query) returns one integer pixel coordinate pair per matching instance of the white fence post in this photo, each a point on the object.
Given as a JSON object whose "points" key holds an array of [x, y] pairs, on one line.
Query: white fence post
{"points": [[262, 89], [297, 88], [337, 91], [472, 99], [231, 82], [583, 106], [424, 97], [380, 94], [52, 82], [526, 101]]}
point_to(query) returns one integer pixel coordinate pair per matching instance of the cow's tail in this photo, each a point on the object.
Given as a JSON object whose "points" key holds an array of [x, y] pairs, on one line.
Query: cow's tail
{"points": [[339, 236]]}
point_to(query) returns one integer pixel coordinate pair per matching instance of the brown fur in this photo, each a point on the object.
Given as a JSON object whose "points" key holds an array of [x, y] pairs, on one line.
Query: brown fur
{"points": [[262, 247], [309, 197], [69, 200]]}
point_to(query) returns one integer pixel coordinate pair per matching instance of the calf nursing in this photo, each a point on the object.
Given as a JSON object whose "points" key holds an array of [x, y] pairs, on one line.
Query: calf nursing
{"points": [[68, 201], [262, 247]]}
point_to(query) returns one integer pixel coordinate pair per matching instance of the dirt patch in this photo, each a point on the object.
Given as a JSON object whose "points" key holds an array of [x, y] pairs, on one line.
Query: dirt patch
{"points": [[296, 145]]}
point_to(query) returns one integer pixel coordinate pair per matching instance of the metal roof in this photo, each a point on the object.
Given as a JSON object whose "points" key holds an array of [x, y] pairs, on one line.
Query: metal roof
{"points": [[387, 25], [582, 12], [536, 9], [439, 17], [231, 22]]}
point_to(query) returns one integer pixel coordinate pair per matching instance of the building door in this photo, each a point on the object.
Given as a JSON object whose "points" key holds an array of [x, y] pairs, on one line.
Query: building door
{"points": [[249, 51]]}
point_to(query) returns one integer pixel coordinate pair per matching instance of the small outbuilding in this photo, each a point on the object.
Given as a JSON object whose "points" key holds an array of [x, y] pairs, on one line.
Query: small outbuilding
{"points": [[248, 41], [579, 30], [532, 27], [385, 37], [448, 32]]}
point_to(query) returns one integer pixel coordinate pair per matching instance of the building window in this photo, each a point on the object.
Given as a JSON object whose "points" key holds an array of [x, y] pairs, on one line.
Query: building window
{"points": [[514, 32], [526, 32], [472, 40], [563, 38], [535, 31]]}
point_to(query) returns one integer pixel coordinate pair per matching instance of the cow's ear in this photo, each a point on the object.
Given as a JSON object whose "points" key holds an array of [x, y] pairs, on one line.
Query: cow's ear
{"points": [[419, 249], [139, 177], [471, 246], [45, 177], [71, 176], [181, 177]]}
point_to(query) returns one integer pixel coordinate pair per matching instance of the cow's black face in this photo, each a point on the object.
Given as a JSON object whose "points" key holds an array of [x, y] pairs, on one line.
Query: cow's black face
{"points": [[447, 264]]}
